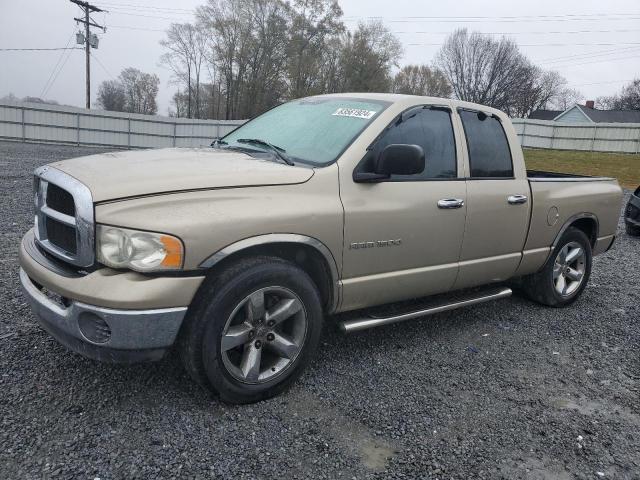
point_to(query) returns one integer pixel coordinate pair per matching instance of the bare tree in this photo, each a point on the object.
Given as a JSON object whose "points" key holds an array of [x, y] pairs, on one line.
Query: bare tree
{"points": [[566, 98], [111, 96], [367, 58], [185, 56], [421, 80], [258, 53], [494, 72], [140, 90], [229, 27], [627, 99], [540, 90], [314, 24]]}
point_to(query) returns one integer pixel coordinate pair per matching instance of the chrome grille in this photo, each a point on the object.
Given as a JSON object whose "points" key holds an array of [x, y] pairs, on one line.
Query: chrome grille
{"points": [[64, 224]]}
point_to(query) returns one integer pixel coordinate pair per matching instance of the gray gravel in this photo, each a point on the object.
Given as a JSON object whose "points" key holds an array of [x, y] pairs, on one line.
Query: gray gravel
{"points": [[505, 390]]}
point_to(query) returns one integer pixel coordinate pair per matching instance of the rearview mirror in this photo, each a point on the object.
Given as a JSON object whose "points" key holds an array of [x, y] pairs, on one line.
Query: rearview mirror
{"points": [[400, 159]]}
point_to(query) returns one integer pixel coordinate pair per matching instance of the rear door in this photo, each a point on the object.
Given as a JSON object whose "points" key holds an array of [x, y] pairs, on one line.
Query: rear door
{"points": [[497, 203]]}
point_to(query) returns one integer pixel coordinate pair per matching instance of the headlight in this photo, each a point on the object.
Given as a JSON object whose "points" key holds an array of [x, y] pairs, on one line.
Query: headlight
{"points": [[142, 251]]}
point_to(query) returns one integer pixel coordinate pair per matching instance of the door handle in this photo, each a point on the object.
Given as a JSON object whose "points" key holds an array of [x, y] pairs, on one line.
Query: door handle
{"points": [[448, 203], [516, 199]]}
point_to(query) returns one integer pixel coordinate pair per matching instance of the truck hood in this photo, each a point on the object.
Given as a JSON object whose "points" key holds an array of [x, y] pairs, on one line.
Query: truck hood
{"points": [[126, 174]]}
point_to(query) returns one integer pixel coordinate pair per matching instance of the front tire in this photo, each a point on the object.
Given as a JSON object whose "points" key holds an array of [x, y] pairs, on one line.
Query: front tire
{"points": [[252, 330], [566, 273]]}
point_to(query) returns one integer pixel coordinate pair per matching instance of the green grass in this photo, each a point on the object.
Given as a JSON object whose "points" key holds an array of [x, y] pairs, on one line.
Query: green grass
{"points": [[624, 167]]}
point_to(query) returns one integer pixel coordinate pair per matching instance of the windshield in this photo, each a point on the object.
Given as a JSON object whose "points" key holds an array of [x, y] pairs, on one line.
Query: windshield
{"points": [[311, 130]]}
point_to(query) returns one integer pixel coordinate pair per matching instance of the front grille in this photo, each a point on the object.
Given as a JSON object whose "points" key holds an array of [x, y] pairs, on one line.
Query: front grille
{"points": [[61, 235], [64, 217], [60, 200]]}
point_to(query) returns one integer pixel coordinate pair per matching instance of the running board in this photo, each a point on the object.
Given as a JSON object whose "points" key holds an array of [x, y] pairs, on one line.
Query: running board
{"points": [[371, 321]]}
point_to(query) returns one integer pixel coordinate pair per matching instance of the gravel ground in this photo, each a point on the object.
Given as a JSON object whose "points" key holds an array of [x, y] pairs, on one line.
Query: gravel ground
{"points": [[508, 390]]}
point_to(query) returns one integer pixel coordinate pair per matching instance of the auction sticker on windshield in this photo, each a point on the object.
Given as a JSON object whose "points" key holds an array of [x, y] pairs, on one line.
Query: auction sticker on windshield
{"points": [[354, 112]]}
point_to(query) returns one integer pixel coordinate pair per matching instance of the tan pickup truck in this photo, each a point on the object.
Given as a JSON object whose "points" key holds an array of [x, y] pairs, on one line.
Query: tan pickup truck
{"points": [[237, 253]]}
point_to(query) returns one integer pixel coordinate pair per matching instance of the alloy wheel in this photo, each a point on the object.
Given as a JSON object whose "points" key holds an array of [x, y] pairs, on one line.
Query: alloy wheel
{"points": [[569, 269], [264, 335]]}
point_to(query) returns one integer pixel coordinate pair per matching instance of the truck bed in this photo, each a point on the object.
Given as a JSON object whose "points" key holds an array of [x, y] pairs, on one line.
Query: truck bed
{"points": [[542, 175], [557, 198]]}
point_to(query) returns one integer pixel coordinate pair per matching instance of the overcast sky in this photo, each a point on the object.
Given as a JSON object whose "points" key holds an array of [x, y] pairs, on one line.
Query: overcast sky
{"points": [[595, 44]]}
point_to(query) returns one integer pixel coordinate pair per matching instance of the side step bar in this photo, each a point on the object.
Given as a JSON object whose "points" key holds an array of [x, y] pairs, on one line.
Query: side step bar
{"points": [[370, 321]]}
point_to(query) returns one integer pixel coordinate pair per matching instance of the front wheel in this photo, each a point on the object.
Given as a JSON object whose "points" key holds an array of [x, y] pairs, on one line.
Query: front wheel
{"points": [[253, 330], [566, 273]]}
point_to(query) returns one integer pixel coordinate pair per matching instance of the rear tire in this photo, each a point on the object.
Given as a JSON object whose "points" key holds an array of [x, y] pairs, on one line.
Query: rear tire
{"points": [[252, 330], [565, 275]]}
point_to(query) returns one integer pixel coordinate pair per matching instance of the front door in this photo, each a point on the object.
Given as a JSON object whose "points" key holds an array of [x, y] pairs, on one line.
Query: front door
{"points": [[403, 236]]}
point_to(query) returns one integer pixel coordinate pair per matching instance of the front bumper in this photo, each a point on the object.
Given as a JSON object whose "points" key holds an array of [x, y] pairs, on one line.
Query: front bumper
{"points": [[105, 314], [105, 334]]}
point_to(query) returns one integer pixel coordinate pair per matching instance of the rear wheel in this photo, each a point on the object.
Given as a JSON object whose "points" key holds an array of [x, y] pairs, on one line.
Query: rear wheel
{"points": [[254, 329], [566, 273]]}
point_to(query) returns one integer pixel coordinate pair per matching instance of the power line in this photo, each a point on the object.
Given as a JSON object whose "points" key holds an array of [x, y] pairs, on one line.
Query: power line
{"points": [[564, 32], [540, 44], [57, 73], [597, 53], [172, 14], [37, 49], [129, 6], [103, 67], [598, 16], [600, 83], [604, 60], [578, 17], [504, 21], [127, 27], [560, 15], [56, 65], [145, 16]]}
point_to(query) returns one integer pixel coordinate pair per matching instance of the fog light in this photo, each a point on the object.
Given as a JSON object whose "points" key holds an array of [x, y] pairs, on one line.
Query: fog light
{"points": [[94, 328]]}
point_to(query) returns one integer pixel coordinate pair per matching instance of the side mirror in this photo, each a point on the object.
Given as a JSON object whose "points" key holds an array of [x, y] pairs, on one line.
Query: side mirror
{"points": [[395, 159], [400, 159]]}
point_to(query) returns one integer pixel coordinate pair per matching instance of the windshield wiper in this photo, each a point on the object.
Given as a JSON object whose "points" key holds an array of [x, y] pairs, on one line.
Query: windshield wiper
{"points": [[281, 153], [217, 142]]}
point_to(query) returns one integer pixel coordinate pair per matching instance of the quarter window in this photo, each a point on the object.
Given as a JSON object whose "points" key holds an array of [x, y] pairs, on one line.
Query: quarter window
{"points": [[489, 153], [433, 131]]}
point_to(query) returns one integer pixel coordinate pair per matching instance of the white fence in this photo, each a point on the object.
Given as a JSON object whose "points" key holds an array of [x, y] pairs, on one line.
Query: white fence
{"points": [[34, 122], [595, 137]]}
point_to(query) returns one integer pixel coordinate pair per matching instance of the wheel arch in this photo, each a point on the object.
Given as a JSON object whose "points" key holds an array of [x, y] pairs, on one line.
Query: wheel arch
{"points": [[309, 253], [584, 221]]}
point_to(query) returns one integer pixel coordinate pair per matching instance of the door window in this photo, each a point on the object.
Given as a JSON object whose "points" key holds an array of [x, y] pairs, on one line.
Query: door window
{"points": [[433, 131], [489, 153]]}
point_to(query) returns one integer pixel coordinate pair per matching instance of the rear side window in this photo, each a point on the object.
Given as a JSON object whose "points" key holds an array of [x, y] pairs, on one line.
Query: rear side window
{"points": [[489, 154], [433, 131]]}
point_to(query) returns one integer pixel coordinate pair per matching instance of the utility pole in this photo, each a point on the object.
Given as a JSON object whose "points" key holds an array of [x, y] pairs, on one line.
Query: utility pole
{"points": [[88, 8]]}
